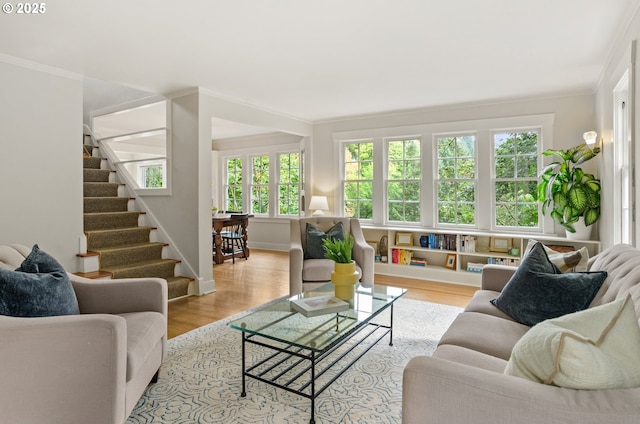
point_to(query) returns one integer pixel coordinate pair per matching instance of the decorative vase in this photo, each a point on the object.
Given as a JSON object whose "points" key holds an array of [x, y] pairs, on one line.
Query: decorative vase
{"points": [[424, 241], [582, 231], [344, 278]]}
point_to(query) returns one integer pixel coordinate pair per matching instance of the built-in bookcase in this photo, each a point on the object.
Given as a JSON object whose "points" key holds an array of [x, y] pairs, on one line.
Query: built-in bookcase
{"points": [[452, 256]]}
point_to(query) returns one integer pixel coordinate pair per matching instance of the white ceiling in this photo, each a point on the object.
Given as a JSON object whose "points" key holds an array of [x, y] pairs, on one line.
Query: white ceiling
{"points": [[319, 59]]}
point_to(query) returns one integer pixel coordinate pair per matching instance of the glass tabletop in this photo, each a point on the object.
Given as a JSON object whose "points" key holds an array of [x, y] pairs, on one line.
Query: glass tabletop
{"points": [[279, 322]]}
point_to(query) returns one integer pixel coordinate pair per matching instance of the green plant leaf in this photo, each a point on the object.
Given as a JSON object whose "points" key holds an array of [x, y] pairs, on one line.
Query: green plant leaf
{"points": [[591, 216], [577, 197]]}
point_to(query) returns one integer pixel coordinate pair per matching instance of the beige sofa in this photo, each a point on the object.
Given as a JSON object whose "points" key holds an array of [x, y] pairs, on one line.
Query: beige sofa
{"points": [[307, 274], [464, 381], [87, 368]]}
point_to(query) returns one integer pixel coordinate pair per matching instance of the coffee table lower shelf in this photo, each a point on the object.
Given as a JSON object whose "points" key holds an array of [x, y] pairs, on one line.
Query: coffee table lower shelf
{"points": [[308, 372]]}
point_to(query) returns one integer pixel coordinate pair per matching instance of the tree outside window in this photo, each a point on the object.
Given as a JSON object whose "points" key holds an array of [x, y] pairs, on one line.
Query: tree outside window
{"points": [[152, 176], [456, 180], [516, 179], [403, 180], [289, 184], [358, 180], [260, 185], [233, 185]]}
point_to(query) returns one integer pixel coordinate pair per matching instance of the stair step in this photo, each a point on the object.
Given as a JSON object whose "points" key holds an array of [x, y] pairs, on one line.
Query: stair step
{"points": [[102, 239], [178, 286], [92, 162], [101, 189], [110, 220], [90, 175], [161, 268], [105, 204], [125, 255]]}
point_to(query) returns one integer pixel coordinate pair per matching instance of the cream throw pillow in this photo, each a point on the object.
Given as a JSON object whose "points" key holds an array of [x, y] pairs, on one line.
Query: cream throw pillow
{"points": [[598, 348], [576, 261]]}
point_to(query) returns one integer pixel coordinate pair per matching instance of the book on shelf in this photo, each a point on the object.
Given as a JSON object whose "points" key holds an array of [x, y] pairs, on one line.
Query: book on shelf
{"points": [[441, 241], [319, 305], [503, 261], [401, 256], [418, 262]]}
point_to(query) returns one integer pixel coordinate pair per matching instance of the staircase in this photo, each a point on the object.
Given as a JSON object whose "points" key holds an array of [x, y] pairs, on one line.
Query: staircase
{"points": [[113, 232]]}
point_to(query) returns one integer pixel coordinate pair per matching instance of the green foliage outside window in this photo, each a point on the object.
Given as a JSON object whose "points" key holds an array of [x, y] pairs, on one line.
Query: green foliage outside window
{"points": [[260, 185], [358, 180], [152, 176], [516, 172], [404, 180], [233, 186], [456, 183], [289, 184]]}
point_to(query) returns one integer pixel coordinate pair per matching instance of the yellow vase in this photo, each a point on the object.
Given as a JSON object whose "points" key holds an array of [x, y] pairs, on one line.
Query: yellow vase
{"points": [[344, 278]]}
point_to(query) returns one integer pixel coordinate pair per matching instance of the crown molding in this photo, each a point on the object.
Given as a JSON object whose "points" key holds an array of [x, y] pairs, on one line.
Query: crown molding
{"points": [[34, 66]]}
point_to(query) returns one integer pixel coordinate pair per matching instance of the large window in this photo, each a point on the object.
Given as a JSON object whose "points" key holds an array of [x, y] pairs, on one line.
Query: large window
{"points": [[456, 180], [233, 184], [260, 185], [516, 179], [403, 180], [289, 184], [358, 180]]}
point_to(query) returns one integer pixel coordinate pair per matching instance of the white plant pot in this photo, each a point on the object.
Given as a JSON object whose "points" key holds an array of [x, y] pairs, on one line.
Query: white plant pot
{"points": [[582, 231]]}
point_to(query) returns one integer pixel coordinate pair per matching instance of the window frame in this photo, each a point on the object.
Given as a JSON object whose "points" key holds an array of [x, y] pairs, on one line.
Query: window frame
{"points": [[343, 174], [483, 128], [540, 148], [436, 179], [279, 183], [251, 185], [386, 179]]}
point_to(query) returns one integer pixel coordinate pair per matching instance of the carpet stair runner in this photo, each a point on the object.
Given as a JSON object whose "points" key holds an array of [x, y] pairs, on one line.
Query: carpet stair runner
{"points": [[123, 246]]}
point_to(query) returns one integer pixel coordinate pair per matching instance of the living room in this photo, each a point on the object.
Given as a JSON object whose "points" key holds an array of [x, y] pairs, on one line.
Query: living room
{"points": [[42, 106]]}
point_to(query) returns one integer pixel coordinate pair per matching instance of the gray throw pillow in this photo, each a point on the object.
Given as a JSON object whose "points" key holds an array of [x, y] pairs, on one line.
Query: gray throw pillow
{"points": [[315, 247], [40, 287], [539, 290]]}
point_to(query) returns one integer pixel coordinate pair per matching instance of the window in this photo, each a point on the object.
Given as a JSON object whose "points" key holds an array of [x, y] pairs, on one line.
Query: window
{"points": [[233, 184], [456, 180], [403, 180], [260, 185], [516, 179], [358, 180], [289, 184], [152, 176]]}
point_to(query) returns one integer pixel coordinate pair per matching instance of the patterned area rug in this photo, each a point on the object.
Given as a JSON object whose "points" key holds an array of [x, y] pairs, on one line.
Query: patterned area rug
{"points": [[200, 380]]}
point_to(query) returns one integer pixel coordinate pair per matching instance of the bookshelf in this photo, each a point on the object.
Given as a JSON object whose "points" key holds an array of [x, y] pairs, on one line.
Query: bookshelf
{"points": [[453, 256]]}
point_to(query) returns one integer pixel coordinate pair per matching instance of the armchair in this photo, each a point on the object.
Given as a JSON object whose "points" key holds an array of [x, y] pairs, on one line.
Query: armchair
{"points": [[86, 368], [305, 274]]}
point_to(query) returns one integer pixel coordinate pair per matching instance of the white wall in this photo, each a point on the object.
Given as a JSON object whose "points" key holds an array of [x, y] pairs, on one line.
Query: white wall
{"points": [[620, 61], [40, 159], [574, 114]]}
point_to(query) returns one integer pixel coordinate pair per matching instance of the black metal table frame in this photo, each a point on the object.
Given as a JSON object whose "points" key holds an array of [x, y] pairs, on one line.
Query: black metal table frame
{"points": [[315, 358]]}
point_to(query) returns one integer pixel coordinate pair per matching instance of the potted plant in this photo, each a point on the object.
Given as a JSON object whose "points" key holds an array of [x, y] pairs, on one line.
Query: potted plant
{"points": [[572, 194], [344, 276]]}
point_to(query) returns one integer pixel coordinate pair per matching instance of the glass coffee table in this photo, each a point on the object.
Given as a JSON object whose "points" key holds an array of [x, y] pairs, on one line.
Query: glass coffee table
{"points": [[305, 355]]}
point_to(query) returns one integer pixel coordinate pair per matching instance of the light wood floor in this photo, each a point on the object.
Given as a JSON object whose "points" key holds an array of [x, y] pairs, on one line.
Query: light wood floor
{"points": [[265, 276]]}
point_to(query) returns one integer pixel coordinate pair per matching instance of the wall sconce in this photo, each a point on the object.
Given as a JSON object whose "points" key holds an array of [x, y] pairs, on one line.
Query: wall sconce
{"points": [[590, 138], [320, 204]]}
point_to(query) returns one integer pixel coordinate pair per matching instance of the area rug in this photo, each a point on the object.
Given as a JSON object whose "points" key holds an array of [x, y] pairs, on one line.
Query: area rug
{"points": [[200, 379]]}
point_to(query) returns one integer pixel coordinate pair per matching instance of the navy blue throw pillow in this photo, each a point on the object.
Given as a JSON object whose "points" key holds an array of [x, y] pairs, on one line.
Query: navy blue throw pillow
{"points": [[539, 290], [40, 287], [315, 247]]}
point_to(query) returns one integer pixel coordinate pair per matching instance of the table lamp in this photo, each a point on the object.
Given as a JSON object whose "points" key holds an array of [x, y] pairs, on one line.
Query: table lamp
{"points": [[320, 204]]}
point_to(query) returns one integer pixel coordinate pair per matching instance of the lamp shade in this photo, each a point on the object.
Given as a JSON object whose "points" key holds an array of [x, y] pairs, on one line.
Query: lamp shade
{"points": [[590, 137], [320, 204]]}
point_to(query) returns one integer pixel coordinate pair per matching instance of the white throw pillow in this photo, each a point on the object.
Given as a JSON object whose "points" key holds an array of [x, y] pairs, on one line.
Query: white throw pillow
{"points": [[598, 348], [575, 261]]}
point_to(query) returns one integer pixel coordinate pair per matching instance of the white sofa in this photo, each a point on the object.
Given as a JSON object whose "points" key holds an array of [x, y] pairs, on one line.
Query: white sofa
{"points": [[86, 368], [464, 380]]}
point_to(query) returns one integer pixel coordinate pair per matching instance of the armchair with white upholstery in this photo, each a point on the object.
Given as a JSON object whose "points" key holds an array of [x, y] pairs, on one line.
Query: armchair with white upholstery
{"points": [[91, 367], [306, 274]]}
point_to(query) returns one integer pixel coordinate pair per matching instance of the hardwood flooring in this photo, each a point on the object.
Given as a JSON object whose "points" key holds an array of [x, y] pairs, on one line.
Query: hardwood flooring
{"points": [[265, 276]]}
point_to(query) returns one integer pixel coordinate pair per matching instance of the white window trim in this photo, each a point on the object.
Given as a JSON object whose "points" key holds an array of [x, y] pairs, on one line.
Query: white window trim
{"points": [[482, 128]]}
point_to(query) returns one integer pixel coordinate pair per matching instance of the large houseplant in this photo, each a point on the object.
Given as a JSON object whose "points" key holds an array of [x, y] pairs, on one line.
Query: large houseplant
{"points": [[345, 275], [569, 191]]}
